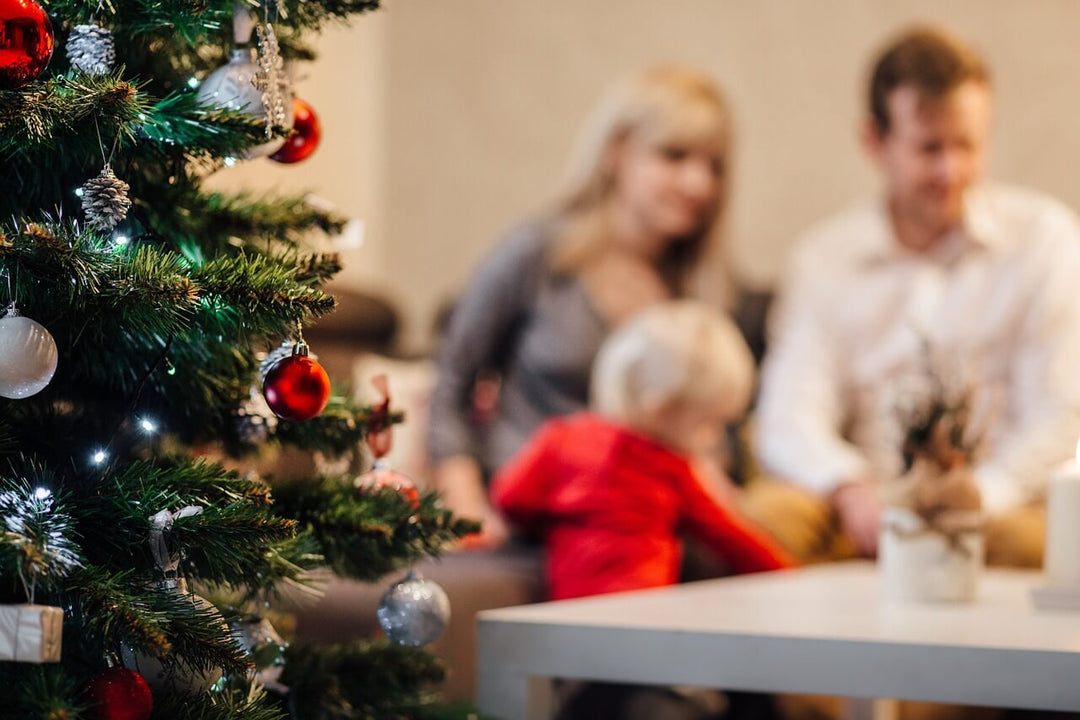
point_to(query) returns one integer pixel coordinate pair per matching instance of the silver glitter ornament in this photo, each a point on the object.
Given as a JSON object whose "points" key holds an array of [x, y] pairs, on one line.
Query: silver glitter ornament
{"points": [[91, 48], [105, 199], [414, 611]]}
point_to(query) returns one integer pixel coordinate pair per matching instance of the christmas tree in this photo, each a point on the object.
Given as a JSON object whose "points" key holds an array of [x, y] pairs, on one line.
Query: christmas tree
{"points": [[145, 320]]}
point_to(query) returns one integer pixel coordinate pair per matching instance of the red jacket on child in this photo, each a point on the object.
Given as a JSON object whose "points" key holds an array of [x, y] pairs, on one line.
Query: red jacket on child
{"points": [[610, 504]]}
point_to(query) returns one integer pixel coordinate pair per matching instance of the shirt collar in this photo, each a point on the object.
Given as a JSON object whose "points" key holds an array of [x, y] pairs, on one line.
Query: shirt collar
{"points": [[979, 230]]}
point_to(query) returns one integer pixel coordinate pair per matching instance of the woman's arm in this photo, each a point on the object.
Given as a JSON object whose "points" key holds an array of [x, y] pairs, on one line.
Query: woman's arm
{"points": [[480, 337]]}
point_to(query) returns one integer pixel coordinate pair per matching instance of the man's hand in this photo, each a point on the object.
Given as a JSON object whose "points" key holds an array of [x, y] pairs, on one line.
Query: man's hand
{"points": [[859, 508]]}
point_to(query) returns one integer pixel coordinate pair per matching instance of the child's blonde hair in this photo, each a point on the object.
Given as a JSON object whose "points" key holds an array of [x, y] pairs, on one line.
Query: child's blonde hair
{"points": [[678, 351]]}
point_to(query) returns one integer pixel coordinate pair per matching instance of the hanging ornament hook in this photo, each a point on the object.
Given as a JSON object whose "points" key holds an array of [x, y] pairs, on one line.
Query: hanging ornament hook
{"points": [[160, 523], [11, 309]]}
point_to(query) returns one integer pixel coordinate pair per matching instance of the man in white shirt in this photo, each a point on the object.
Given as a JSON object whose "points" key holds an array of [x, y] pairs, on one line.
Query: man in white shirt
{"points": [[943, 266]]}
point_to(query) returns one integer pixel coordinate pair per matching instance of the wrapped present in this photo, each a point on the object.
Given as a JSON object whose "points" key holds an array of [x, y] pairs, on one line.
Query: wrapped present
{"points": [[30, 633]]}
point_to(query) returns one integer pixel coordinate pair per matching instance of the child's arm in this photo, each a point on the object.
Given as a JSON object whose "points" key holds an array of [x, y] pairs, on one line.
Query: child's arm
{"points": [[521, 489], [738, 541]]}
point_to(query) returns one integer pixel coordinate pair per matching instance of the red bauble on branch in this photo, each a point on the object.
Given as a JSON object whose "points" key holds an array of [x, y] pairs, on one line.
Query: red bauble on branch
{"points": [[118, 694], [296, 387], [304, 137], [26, 42]]}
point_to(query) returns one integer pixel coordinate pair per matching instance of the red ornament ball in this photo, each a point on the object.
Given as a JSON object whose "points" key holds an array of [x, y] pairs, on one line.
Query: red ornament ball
{"points": [[118, 694], [296, 388], [304, 137], [26, 42]]}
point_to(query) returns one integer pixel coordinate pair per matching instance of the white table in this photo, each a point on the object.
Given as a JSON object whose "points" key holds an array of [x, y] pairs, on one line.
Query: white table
{"points": [[821, 630]]}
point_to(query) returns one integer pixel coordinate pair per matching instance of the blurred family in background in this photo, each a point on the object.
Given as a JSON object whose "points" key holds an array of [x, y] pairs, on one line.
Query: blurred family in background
{"points": [[624, 411], [942, 274]]}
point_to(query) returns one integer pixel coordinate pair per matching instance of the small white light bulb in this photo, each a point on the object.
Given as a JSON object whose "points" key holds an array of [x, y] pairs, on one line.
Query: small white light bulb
{"points": [[99, 457]]}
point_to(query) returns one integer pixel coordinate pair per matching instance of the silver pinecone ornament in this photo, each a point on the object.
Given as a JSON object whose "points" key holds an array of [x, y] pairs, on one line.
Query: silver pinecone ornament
{"points": [[105, 199], [253, 420], [91, 48]]}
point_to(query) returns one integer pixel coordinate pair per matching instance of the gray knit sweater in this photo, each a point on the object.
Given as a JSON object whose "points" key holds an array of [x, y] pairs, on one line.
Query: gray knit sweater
{"points": [[538, 331]]}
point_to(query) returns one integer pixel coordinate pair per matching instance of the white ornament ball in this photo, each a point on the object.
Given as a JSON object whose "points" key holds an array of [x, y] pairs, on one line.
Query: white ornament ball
{"points": [[27, 356], [231, 87], [414, 611], [160, 676]]}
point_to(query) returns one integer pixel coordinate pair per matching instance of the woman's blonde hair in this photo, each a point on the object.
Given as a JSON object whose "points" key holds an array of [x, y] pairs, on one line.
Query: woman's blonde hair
{"points": [[679, 351], [658, 106]]}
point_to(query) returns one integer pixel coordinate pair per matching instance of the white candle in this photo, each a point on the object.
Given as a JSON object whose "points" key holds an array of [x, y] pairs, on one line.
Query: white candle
{"points": [[1062, 560]]}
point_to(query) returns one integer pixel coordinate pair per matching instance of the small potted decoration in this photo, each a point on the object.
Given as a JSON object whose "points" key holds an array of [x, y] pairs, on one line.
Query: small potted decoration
{"points": [[931, 547]]}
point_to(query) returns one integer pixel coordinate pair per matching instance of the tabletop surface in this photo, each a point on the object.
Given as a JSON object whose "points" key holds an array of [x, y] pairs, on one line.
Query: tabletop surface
{"points": [[837, 602]]}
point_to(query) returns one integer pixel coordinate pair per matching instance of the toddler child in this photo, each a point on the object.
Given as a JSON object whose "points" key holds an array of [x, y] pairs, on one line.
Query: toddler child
{"points": [[610, 489]]}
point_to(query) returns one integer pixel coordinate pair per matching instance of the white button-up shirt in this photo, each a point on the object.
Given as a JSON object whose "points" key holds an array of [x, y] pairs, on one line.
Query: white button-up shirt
{"points": [[994, 307]]}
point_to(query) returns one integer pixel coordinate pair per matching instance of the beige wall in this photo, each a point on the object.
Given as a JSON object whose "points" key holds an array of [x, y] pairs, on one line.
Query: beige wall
{"points": [[347, 88], [448, 120]]}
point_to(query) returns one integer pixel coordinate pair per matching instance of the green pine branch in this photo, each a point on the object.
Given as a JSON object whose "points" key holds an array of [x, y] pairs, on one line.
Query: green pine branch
{"points": [[8, 444], [112, 606], [45, 692], [360, 680], [228, 704], [67, 112], [179, 121], [257, 294], [225, 544], [338, 430], [228, 543], [192, 21], [366, 533], [245, 215], [37, 534], [201, 641]]}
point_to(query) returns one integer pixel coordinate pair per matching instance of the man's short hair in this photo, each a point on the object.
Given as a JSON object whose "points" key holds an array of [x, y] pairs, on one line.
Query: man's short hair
{"points": [[930, 60]]}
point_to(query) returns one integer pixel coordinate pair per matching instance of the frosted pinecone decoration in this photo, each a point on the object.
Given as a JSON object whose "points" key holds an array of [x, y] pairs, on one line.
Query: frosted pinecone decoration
{"points": [[105, 199], [91, 48]]}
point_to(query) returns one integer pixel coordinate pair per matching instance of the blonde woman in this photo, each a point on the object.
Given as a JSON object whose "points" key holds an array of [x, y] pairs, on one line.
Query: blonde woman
{"points": [[636, 224]]}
